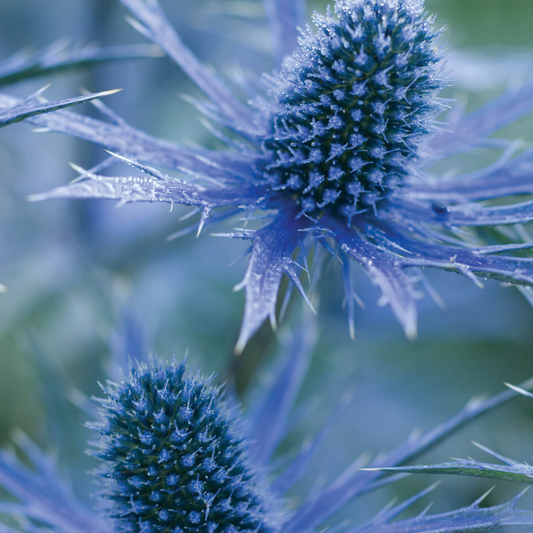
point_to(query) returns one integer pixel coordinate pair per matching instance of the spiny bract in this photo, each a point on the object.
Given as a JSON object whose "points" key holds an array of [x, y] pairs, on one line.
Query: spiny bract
{"points": [[174, 460], [352, 105]]}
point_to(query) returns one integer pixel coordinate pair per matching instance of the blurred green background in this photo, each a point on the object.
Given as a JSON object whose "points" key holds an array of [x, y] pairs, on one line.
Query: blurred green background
{"points": [[73, 267]]}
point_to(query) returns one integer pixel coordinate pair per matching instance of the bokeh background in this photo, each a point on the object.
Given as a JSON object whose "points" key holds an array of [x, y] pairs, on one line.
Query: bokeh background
{"points": [[76, 271]]}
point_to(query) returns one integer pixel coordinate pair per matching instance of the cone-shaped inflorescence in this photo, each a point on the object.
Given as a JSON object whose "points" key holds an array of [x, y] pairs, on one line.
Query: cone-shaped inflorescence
{"points": [[174, 460], [351, 106]]}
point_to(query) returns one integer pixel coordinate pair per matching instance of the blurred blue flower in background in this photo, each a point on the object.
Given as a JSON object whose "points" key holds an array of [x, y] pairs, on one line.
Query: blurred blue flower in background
{"points": [[178, 455], [337, 150]]}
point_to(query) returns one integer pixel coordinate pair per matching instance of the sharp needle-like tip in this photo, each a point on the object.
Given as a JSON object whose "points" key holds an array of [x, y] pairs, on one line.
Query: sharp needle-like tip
{"points": [[77, 168], [35, 197], [239, 348], [411, 332], [112, 91]]}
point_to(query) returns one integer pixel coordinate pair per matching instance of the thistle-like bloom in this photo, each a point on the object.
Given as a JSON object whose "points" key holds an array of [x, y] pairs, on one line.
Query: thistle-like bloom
{"points": [[334, 146], [175, 459]]}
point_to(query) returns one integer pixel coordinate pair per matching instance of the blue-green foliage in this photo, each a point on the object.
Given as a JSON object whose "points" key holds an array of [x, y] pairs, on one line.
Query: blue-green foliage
{"points": [[352, 105], [174, 458], [59, 57]]}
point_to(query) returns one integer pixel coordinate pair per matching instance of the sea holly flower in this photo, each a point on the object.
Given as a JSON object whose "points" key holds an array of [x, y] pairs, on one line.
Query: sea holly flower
{"points": [[178, 456], [173, 461], [334, 146]]}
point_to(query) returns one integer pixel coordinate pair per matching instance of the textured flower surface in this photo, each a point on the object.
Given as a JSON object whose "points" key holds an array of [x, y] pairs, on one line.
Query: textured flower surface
{"points": [[349, 109], [175, 458], [335, 146]]}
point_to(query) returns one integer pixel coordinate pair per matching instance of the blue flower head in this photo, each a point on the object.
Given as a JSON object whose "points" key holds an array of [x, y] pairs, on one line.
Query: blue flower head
{"points": [[350, 108], [174, 459], [335, 146]]}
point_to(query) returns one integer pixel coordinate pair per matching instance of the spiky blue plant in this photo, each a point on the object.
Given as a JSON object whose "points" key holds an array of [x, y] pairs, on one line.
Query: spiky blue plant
{"points": [[348, 111], [335, 145], [176, 459]]}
